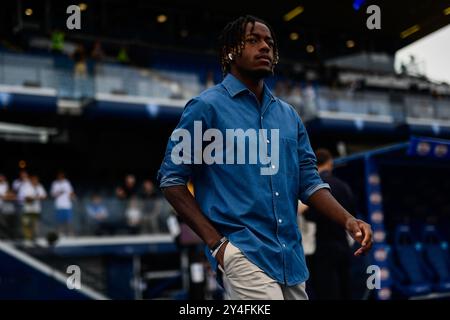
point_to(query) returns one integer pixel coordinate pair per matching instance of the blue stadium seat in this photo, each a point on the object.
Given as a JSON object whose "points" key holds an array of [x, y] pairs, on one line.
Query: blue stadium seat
{"points": [[436, 254], [411, 274]]}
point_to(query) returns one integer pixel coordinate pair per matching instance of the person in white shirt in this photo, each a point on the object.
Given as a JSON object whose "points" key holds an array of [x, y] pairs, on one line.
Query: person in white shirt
{"points": [[3, 190], [62, 192], [4, 187], [31, 193], [23, 177], [8, 217], [133, 215]]}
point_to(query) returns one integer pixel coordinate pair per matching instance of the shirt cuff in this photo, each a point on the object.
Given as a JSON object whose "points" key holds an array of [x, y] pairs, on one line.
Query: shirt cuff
{"points": [[313, 189], [170, 182]]}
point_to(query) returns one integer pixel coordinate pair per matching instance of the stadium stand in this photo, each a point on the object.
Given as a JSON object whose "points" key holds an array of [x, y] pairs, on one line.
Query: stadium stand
{"points": [[115, 118]]}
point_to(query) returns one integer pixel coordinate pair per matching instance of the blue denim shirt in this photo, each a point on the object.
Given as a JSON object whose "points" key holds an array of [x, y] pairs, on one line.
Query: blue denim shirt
{"points": [[257, 212]]}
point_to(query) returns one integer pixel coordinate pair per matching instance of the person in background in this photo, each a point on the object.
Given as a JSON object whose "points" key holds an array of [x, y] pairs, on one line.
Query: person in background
{"points": [[331, 262], [122, 56], [62, 192], [79, 58], [309, 99], [133, 215], [57, 45], [4, 187], [80, 71], [23, 177], [151, 206], [97, 52], [32, 193], [210, 79], [99, 215], [8, 217], [19, 185], [129, 189], [126, 192]]}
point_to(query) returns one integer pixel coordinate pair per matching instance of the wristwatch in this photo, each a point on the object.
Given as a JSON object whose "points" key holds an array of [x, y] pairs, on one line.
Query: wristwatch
{"points": [[215, 248]]}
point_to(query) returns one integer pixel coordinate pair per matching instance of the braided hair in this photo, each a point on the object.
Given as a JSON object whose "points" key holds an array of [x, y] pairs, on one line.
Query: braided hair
{"points": [[232, 40]]}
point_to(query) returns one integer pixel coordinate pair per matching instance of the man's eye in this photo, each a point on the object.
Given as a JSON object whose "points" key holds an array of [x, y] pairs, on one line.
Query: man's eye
{"points": [[251, 40], [270, 44]]}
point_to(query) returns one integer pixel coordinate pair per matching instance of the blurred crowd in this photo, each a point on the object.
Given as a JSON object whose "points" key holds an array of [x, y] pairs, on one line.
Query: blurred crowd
{"points": [[302, 98], [22, 206]]}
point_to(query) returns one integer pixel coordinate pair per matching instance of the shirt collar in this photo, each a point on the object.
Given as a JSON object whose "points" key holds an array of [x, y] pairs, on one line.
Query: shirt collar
{"points": [[234, 86]]}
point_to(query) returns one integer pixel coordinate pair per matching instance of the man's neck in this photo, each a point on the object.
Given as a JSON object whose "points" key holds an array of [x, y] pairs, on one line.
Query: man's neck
{"points": [[254, 85]]}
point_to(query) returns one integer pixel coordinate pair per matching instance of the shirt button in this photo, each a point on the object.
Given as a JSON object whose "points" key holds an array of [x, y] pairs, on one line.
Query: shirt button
{"points": [[280, 220], [277, 194], [268, 141], [273, 166], [284, 245], [262, 117]]}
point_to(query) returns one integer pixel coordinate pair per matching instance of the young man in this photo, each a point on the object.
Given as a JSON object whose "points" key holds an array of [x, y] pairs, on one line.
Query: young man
{"points": [[245, 210]]}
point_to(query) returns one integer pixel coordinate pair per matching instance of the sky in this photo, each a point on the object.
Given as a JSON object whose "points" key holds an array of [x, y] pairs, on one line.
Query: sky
{"points": [[432, 54]]}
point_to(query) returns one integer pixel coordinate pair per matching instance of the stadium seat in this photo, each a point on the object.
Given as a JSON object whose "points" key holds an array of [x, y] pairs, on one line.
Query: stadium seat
{"points": [[411, 274], [436, 254]]}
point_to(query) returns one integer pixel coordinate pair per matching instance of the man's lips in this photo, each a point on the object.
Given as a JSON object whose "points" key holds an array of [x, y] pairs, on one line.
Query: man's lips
{"points": [[265, 59]]}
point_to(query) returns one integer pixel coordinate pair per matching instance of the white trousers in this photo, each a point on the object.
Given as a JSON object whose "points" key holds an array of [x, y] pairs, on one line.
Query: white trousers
{"points": [[243, 280]]}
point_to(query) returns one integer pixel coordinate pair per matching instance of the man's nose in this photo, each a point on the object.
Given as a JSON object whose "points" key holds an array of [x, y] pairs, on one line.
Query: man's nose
{"points": [[264, 47]]}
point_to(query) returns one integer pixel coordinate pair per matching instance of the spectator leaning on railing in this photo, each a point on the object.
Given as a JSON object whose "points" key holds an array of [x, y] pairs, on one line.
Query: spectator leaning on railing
{"points": [[32, 192], [62, 192]]}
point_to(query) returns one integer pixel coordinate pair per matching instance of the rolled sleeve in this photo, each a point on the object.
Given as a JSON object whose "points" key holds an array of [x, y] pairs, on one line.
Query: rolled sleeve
{"points": [[166, 181], [308, 193], [171, 173], [310, 181]]}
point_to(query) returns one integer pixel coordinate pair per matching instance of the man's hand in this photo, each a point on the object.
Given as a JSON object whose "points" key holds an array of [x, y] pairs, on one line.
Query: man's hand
{"points": [[362, 233], [220, 254], [323, 201]]}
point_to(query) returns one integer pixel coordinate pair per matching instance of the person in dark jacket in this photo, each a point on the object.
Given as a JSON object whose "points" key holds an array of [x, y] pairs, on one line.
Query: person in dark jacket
{"points": [[330, 264]]}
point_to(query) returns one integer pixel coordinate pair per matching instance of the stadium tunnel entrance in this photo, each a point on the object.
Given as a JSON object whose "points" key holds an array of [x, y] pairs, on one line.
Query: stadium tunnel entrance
{"points": [[403, 191]]}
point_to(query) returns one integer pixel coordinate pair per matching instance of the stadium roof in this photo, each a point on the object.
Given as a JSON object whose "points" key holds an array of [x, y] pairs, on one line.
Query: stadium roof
{"points": [[307, 30]]}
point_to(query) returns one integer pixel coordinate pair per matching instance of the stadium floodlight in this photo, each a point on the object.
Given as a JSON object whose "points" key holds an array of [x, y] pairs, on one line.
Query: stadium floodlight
{"points": [[161, 18], [293, 13], [83, 6], [293, 36], [406, 33], [22, 164]]}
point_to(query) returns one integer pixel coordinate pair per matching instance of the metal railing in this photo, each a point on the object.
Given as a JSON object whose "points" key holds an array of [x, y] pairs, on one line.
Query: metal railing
{"points": [[123, 217], [30, 71]]}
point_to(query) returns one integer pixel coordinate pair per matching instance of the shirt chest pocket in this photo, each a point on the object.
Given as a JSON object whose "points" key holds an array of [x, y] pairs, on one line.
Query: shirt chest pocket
{"points": [[288, 156]]}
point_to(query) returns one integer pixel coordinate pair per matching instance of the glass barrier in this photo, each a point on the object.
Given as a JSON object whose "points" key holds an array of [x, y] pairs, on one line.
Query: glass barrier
{"points": [[77, 83], [99, 216]]}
